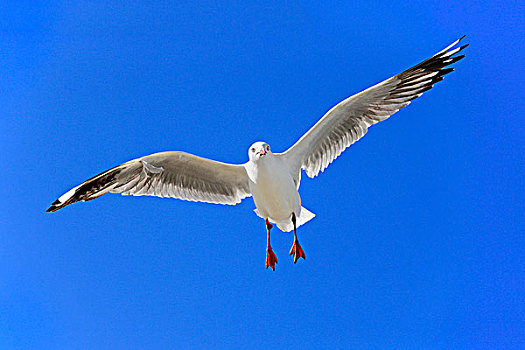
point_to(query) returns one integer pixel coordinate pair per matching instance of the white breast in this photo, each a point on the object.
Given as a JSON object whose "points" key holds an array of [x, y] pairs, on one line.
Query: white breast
{"points": [[273, 189]]}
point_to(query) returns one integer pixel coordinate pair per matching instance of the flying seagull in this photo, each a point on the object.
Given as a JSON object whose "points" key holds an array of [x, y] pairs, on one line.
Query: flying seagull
{"points": [[272, 179]]}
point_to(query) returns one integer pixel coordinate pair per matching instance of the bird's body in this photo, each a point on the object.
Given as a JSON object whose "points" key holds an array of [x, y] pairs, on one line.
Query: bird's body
{"points": [[274, 186], [273, 190], [272, 179]]}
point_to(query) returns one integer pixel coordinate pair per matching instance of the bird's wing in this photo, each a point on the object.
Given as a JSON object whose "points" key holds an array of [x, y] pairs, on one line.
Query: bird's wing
{"points": [[166, 174], [349, 120]]}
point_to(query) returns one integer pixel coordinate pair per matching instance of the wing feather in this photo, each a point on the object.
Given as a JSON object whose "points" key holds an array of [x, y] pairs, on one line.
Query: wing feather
{"points": [[166, 174], [349, 120]]}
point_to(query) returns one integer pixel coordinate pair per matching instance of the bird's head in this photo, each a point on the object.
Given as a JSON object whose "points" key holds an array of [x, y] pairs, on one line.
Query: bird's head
{"points": [[259, 150]]}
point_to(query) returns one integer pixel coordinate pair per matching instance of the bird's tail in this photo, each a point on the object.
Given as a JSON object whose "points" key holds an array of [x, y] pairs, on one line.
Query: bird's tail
{"points": [[305, 216], [90, 189]]}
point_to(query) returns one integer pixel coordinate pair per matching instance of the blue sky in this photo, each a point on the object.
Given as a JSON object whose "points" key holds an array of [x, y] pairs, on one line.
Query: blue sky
{"points": [[418, 240]]}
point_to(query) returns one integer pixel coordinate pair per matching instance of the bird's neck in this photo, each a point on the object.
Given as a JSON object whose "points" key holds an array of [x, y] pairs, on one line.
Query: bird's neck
{"points": [[263, 167]]}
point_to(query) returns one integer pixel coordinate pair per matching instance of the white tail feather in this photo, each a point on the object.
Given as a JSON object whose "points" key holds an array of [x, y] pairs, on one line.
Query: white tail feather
{"points": [[305, 216]]}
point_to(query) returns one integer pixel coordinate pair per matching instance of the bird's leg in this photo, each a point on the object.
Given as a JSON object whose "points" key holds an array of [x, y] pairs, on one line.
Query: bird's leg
{"points": [[297, 250], [271, 259]]}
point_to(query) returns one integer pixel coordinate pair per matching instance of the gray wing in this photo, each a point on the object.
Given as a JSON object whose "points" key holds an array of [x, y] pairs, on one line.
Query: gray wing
{"points": [[166, 174], [349, 120]]}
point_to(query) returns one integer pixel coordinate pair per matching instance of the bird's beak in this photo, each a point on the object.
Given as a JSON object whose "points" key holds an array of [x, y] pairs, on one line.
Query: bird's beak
{"points": [[262, 152]]}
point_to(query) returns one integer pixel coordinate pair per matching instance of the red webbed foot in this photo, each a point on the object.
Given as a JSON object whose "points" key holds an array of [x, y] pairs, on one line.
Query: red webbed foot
{"points": [[297, 251], [271, 259]]}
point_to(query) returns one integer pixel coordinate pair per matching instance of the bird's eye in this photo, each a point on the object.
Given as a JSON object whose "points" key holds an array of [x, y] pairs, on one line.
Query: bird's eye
{"points": [[253, 149], [267, 148]]}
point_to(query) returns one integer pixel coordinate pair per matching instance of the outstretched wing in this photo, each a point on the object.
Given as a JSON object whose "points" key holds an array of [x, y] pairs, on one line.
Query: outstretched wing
{"points": [[166, 174], [349, 120]]}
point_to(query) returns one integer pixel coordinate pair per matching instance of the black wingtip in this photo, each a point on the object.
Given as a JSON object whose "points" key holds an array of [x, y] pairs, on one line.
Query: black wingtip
{"points": [[462, 37], [54, 206], [445, 71]]}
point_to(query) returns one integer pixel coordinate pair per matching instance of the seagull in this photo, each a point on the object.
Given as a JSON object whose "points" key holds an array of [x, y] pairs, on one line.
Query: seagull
{"points": [[272, 179]]}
